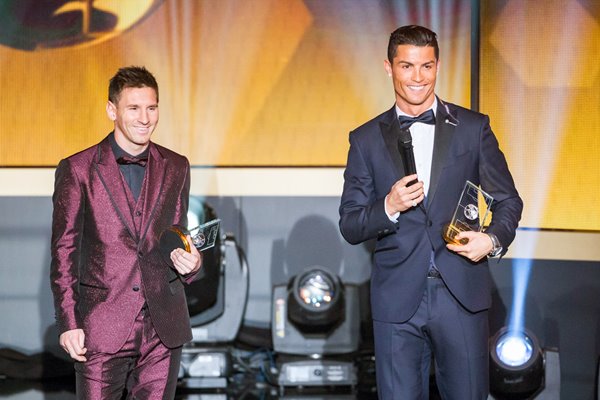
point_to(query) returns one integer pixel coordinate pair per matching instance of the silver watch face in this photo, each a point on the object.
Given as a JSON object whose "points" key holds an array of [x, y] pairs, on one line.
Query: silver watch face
{"points": [[496, 250]]}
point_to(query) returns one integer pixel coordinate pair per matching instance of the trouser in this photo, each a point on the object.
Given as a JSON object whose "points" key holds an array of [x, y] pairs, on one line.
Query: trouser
{"points": [[143, 367], [441, 327]]}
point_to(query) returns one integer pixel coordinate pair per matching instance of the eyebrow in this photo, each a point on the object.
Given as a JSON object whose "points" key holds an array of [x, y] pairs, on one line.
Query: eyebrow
{"points": [[409, 63]]}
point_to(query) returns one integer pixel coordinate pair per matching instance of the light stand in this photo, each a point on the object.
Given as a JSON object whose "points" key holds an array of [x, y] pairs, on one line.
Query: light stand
{"points": [[217, 303], [314, 324]]}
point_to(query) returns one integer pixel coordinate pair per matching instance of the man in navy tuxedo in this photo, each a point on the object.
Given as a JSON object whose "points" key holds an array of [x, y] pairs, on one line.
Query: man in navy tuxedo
{"points": [[428, 298]]}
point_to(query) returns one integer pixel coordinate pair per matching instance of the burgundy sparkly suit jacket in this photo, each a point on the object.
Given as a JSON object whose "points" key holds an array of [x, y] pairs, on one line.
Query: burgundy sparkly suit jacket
{"points": [[105, 259]]}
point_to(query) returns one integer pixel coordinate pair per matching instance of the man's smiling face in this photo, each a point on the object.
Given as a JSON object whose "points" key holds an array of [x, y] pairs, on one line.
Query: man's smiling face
{"points": [[414, 72], [135, 116]]}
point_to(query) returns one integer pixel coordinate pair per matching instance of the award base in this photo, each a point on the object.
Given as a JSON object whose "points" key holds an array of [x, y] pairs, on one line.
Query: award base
{"points": [[449, 234], [175, 237]]}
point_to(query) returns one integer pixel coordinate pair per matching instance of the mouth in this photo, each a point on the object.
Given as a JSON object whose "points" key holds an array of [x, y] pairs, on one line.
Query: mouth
{"points": [[417, 88], [142, 129]]}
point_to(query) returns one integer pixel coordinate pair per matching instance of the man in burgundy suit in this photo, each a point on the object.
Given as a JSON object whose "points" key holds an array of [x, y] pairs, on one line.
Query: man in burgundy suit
{"points": [[121, 310]]}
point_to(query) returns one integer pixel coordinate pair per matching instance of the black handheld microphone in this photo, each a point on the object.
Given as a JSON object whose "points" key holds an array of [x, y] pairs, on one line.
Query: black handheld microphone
{"points": [[408, 156]]}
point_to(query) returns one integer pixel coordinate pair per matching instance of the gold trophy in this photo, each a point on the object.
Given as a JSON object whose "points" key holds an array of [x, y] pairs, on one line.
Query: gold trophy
{"points": [[203, 238], [472, 214]]}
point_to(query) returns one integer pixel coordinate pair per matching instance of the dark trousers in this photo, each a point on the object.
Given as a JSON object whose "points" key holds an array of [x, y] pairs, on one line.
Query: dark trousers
{"points": [[144, 367], [457, 339]]}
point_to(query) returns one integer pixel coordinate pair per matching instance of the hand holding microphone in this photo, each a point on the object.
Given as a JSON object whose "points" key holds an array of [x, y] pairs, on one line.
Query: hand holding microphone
{"points": [[408, 192], [408, 156]]}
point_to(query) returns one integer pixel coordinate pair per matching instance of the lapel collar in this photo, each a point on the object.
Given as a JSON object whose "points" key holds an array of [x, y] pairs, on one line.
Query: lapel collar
{"points": [[445, 126], [155, 178], [390, 128], [110, 176]]}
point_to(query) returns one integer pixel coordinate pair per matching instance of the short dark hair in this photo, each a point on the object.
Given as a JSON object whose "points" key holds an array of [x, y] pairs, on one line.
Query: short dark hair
{"points": [[127, 77], [415, 35]]}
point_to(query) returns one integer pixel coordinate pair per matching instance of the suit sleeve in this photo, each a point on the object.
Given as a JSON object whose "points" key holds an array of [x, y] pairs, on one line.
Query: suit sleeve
{"points": [[496, 179], [183, 199], [181, 216], [67, 226], [362, 215]]}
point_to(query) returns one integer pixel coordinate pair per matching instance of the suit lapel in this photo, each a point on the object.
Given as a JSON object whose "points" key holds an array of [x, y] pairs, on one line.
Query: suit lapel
{"points": [[155, 178], [445, 126], [390, 128], [110, 176]]}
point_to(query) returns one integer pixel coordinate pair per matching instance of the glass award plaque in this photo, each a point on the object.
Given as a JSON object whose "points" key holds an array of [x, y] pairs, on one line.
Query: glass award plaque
{"points": [[203, 237], [472, 214]]}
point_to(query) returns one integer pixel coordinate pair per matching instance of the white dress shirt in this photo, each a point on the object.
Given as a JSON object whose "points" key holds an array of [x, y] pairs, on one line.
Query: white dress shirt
{"points": [[422, 141]]}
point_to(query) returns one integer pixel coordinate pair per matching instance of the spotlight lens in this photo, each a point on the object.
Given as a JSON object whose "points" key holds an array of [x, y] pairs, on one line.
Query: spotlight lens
{"points": [[514, 349], [316, 289]]}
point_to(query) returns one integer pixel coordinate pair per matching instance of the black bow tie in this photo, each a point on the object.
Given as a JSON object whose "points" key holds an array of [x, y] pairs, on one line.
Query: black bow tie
{"points": [[428, 117], [126, 160]]}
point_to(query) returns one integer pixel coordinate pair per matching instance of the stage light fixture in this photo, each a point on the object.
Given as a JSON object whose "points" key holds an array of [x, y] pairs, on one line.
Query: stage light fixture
{"points": [[315, 326], [316, 300], [216, 303], [516, 365]]}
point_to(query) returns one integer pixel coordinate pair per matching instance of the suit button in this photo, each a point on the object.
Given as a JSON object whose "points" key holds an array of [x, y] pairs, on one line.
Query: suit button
{"points": [[138, 213], [429, 223], [136, 288], [140, 254]]}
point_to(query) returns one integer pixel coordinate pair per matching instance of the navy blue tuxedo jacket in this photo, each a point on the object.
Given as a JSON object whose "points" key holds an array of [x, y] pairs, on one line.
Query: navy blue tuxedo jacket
{"points": [[465, 148]]}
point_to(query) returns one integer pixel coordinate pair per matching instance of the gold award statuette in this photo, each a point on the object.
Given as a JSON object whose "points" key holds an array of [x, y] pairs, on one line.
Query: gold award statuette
{"points": [[175, 237], [472, 214]]}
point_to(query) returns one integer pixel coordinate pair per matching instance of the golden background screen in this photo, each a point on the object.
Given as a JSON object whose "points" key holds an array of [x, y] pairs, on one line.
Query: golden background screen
{"points": [[281, 83]]}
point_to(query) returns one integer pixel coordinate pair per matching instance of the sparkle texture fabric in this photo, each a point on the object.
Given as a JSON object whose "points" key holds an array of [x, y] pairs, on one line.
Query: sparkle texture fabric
{"points": [[104, 269], [144, 367]]}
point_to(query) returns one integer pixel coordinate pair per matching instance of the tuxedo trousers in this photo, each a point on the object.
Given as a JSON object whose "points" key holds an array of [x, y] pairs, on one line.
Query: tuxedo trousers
{"points": [[441, 330], [144, 368]]}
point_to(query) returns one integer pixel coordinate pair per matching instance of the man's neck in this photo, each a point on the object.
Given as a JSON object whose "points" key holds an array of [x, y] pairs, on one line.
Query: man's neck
{"points": [[129, 147], [413, 111]]}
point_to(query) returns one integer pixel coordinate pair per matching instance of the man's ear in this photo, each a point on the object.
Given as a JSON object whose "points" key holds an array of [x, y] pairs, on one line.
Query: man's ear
{"points": [[388, 67], [111, 111]]}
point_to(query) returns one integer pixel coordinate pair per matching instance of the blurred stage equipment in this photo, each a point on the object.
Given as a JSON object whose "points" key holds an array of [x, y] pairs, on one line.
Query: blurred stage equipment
{"points": [[315, 322], [598, 380], [216, 304], [520, 369]]}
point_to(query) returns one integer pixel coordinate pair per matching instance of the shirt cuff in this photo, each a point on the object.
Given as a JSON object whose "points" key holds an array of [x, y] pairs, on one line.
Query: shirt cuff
{"points": [[392, 217]]}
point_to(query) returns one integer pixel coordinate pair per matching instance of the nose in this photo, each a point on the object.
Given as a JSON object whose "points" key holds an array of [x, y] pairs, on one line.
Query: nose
{"points": [[417, 76], [143, 118]]}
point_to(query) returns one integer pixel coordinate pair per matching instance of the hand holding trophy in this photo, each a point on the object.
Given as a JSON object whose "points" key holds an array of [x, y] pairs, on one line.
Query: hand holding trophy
{"points": [[203, 237], [472, 214]]}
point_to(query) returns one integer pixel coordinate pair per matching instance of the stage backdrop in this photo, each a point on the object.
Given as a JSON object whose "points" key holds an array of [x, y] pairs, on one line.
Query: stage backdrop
{"points": [[280, 83], [540, 83]]}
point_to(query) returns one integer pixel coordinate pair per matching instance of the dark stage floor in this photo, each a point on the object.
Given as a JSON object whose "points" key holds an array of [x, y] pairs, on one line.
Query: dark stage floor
{"points": [[63, 389], [252, 375]]}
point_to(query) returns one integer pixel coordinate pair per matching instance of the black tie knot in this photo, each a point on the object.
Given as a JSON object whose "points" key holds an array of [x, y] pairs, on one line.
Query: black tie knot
{"points": [[428, 117], [127, 160]]}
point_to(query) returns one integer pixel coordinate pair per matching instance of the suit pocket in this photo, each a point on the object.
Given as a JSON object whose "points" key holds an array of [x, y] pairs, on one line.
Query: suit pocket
{"points": [[91, 293], [460, 160]]}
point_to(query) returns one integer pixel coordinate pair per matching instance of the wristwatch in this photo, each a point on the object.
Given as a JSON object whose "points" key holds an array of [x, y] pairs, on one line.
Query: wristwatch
{"points": [[497, 247]]}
